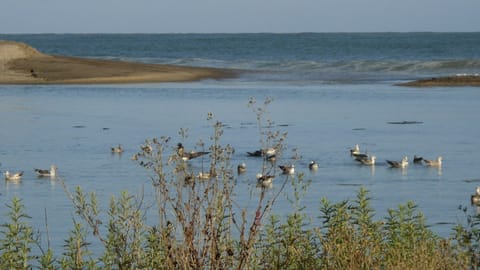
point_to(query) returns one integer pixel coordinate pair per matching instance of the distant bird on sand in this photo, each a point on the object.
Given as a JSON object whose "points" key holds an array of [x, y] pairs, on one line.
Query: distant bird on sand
{"points": [[434, 163], [13, 176], [398, 164], [287, 169], [313, 166], [188, 155], [52, 172], [118, 149]]}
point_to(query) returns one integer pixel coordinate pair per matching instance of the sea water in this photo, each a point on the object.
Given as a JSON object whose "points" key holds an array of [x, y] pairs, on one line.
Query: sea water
{"points": [[329, 91]]}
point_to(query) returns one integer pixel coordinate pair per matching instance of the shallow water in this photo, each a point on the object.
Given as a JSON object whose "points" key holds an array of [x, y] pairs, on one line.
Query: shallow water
{"points": [[75, 126]]}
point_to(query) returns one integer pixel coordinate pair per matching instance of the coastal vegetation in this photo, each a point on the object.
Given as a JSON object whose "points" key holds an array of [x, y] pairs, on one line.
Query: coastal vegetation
{"points": [[199, 224]]}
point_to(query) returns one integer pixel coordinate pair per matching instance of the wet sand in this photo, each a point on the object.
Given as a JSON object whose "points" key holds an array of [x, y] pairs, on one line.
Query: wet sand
{"points": [[467, 80], [22, 64]]}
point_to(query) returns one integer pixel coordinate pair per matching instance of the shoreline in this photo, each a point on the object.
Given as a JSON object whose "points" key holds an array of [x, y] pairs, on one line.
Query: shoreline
{"points": [[22, 64]]}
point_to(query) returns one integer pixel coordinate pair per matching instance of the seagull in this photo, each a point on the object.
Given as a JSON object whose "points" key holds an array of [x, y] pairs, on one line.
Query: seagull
{"points": [[188, 155], [475, 198], [370, 161], [287, 169], [264, 181], [13, 176], [434, 163], [360, 156], [313, 166], [241, 168], [205, 175], [146, 148], [355, 150], [398, 164], [118, 149], [269, 151], [257, 153], [417, 159], [271, 158], [52, 172], [263, 152]]}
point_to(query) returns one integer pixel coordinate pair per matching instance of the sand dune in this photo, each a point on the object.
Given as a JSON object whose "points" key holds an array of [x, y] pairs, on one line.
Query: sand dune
{"points": [[22, 64]]}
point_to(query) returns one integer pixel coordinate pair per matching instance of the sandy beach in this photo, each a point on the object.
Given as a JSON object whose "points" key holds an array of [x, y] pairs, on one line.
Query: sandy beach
{"points": [[22, 64]]}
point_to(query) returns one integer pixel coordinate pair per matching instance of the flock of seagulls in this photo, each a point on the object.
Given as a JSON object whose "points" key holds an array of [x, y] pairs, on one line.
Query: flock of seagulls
{"points": [[17, 176], [269, 154], [369, 160], [263, 180]]}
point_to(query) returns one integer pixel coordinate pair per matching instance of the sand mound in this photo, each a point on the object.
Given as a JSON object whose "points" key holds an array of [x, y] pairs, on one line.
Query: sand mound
{"points": [[10, 50], [22, 64]]}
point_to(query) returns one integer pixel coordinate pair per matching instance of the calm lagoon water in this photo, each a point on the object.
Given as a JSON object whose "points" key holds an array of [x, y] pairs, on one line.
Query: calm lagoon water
{"points": [[75, 126]]}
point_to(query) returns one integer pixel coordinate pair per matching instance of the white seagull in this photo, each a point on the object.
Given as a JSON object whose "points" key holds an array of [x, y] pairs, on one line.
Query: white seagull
{"points": [[434, 163], [370, 161], [398, 164], [13, 176]]}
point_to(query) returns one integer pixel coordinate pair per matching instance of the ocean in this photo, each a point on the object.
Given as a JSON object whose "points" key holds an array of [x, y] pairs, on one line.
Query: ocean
{"points": [[330, 91]]}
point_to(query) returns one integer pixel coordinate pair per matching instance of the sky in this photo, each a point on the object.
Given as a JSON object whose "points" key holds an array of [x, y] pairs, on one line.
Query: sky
{"points": [[237, 16]]}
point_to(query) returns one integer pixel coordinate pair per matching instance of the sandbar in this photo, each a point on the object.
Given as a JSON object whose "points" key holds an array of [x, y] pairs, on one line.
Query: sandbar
{"points": [[459, 80], [23, 64]]}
